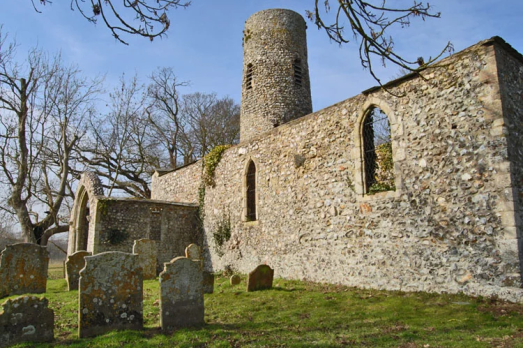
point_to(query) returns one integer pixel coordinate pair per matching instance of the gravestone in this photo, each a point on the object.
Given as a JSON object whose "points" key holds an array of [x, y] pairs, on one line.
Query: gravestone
{"points": [[260, 279], [181, 294], [193, 252], [235, 279], [111, 294], [26, 319], [74, 265], [23, 269], [147, 252]]}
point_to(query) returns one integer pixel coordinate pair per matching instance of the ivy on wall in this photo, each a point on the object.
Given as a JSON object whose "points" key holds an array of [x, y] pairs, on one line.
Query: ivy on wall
{"points": [[211, 161]]}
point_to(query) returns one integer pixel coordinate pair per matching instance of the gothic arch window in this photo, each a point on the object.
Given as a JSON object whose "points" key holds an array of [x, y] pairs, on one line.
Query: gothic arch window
{"points": [[251, 192], [248, 77], [297, 72], [376, 148]]}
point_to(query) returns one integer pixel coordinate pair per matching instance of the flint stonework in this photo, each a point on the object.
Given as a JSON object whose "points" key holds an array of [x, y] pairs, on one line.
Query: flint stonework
{"points": [[458, 167], [74, 265], [260, 279], [111, 294], [147, 251], [181, 294], [26, 319], [23, 269]]}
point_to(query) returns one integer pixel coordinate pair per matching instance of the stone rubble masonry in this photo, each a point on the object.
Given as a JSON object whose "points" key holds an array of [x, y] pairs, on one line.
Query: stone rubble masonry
{"points": [[452, 225], [260, 278], [74, 264], [23, 269], [181, 294], [26, 319], [172, 226], [273, 39], [111, 294], [146, 250]]}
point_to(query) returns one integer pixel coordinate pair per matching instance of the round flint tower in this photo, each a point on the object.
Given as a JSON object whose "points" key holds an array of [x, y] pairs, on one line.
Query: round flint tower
{"points": [[276, 86]]}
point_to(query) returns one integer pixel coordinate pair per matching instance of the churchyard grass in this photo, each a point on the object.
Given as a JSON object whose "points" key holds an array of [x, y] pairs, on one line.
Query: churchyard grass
{"points": [[55, 270], [303, 314]]}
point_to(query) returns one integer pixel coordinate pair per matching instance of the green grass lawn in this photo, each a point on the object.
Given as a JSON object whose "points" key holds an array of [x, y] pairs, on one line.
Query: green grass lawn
{"points": [[301, 314]]}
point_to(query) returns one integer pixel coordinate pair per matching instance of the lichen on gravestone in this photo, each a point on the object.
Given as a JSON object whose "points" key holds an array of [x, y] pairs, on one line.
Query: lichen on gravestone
{"points": [[23, 269], [110, 293], [26, 319], [74, 264], [181, 294], [147, 252]]}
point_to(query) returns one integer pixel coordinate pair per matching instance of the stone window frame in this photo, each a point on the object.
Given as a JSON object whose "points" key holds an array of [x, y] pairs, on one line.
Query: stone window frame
{"points": [[398, 153], [244, 191]]}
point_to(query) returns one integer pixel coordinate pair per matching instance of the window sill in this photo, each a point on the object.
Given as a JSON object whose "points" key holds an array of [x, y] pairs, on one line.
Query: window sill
{"points": [[251, 223], [379, 196]]}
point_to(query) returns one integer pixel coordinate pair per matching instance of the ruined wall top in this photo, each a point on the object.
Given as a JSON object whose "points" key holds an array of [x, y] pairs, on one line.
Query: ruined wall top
{"points": [[276, 85]]}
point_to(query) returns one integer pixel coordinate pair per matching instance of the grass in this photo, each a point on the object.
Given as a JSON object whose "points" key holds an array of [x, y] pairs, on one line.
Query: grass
{"points": [[302, 314], [56, 269]]}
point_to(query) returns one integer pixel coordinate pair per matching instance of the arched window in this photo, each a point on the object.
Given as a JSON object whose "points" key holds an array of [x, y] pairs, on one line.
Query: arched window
{"points": [[378, 165], [248, 77], [297, 72], [251, 192]]}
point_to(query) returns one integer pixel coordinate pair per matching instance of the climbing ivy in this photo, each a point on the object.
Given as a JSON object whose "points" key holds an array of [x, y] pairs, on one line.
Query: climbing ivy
{"points": [[210, 162], [222, 232]]}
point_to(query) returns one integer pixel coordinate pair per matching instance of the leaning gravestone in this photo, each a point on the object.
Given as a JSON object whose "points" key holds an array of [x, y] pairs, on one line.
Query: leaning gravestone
{"points": [[26, 319], [181, 294], [147, 253], [260, 279], [111, 294], [74, 265], [23, 269]]}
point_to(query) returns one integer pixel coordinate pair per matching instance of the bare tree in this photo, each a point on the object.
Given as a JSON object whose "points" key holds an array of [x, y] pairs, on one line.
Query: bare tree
{"points": [[209, 122], [42, 108], [163, 112], [370, 25], [147, 18], [118, 148]]}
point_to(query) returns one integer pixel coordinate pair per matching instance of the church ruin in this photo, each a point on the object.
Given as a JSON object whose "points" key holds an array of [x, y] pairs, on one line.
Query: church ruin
{"points": [[416, 188]]}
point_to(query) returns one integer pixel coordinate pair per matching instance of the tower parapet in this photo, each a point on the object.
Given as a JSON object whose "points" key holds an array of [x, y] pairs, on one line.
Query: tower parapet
{"points": [[276, 85]]}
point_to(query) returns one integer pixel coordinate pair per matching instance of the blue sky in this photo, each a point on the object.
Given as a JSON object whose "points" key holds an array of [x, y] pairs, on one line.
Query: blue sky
{"points": [[204, 42]]}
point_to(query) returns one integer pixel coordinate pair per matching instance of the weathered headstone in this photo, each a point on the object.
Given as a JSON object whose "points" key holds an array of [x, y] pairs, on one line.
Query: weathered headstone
{"points": [[260, 279], [74, 265], [181, 294], [208, 282], [235, 279], [111, 294], [147, 252], [193, 252], [26, 319], [23, 269]]}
